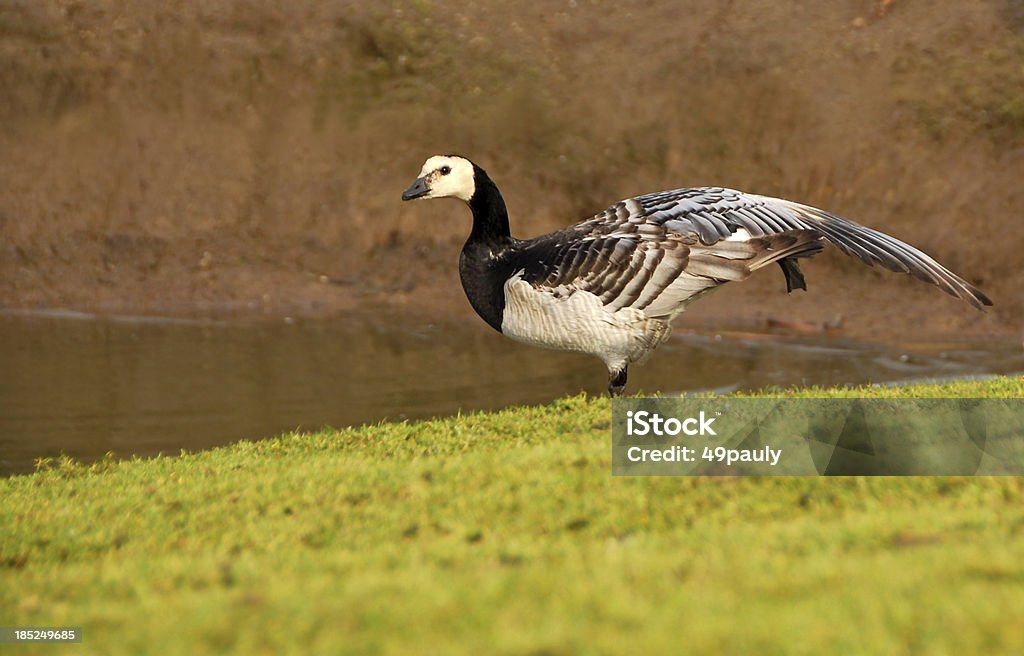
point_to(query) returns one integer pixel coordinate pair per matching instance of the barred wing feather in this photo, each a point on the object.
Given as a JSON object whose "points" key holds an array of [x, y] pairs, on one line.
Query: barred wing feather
{"points": [[659, 251]]}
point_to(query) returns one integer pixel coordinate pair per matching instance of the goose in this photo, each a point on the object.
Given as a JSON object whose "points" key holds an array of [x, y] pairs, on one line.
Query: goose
{"points": [[610, 285]]}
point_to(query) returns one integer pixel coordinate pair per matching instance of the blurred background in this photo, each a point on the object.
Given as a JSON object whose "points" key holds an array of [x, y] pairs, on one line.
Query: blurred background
{"points": [[246, 158], [230, 155]]}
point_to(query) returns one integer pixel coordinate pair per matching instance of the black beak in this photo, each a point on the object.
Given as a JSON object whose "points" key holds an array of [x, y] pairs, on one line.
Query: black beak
{"points": [[418, 189]]}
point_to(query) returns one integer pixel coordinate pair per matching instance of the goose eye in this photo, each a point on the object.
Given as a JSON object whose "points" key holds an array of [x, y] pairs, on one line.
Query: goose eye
{"points": [[445, 170]]}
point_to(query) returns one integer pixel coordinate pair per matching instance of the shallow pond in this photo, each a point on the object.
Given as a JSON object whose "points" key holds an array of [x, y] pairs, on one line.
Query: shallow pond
{"points": [[84, 385]]}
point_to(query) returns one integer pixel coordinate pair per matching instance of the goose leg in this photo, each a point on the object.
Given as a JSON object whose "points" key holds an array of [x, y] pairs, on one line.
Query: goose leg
{"points": [[616, 382]]}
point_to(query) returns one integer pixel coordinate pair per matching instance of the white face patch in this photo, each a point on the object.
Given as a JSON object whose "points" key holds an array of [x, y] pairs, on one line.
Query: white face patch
{"points": [[448, 176]]}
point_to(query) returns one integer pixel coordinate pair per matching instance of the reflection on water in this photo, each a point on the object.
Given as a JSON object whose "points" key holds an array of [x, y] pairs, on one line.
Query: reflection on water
{"points": [[85, 386]]}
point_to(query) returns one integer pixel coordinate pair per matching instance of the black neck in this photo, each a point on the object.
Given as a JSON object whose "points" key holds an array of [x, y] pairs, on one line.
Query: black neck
{"points": [[482, 265], [490, 218]]}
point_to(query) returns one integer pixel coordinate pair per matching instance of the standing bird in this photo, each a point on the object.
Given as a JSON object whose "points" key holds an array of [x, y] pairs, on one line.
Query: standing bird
{"points": [[611, 285]]}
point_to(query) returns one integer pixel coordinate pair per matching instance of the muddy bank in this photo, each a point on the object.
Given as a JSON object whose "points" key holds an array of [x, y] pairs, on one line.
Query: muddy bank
{"points": [[217, 157]]}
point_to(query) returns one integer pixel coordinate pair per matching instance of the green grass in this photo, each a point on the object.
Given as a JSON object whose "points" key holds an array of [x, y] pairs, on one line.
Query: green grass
{"points": [[505, 533]]}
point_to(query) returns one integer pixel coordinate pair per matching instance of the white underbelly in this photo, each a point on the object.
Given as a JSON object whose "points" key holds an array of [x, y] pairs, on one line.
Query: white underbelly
{"points": [[579, 322]]}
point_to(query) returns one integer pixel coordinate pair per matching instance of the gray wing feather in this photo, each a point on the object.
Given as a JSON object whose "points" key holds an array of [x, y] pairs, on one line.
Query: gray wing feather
{"points": [[658, 251]]}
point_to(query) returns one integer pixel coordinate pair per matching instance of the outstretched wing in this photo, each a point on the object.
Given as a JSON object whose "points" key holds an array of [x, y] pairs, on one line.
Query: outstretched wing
{"points": [[659, 251], [627, 259]]}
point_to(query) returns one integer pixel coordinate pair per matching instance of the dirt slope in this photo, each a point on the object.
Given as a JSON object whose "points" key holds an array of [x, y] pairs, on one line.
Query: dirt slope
{"points": [[249, 156]]}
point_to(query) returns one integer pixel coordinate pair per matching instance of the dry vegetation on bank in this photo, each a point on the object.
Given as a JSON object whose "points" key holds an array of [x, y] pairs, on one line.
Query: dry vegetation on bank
{"points": [[249, 156]]}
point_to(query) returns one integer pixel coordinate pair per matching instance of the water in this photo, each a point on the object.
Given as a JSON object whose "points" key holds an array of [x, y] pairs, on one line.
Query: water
{"points": [[83, 385]]}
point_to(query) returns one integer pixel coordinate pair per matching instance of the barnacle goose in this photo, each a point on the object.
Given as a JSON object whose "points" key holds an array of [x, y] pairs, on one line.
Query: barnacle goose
{"points": [[611, 285]]}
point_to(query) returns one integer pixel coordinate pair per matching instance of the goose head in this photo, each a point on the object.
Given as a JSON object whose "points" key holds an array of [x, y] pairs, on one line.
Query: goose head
{"points": [[444, 176]]}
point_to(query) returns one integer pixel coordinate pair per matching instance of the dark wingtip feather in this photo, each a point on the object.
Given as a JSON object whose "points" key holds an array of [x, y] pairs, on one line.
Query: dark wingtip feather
{"points": [[874, 247], [978, 298], [794, 276]]}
